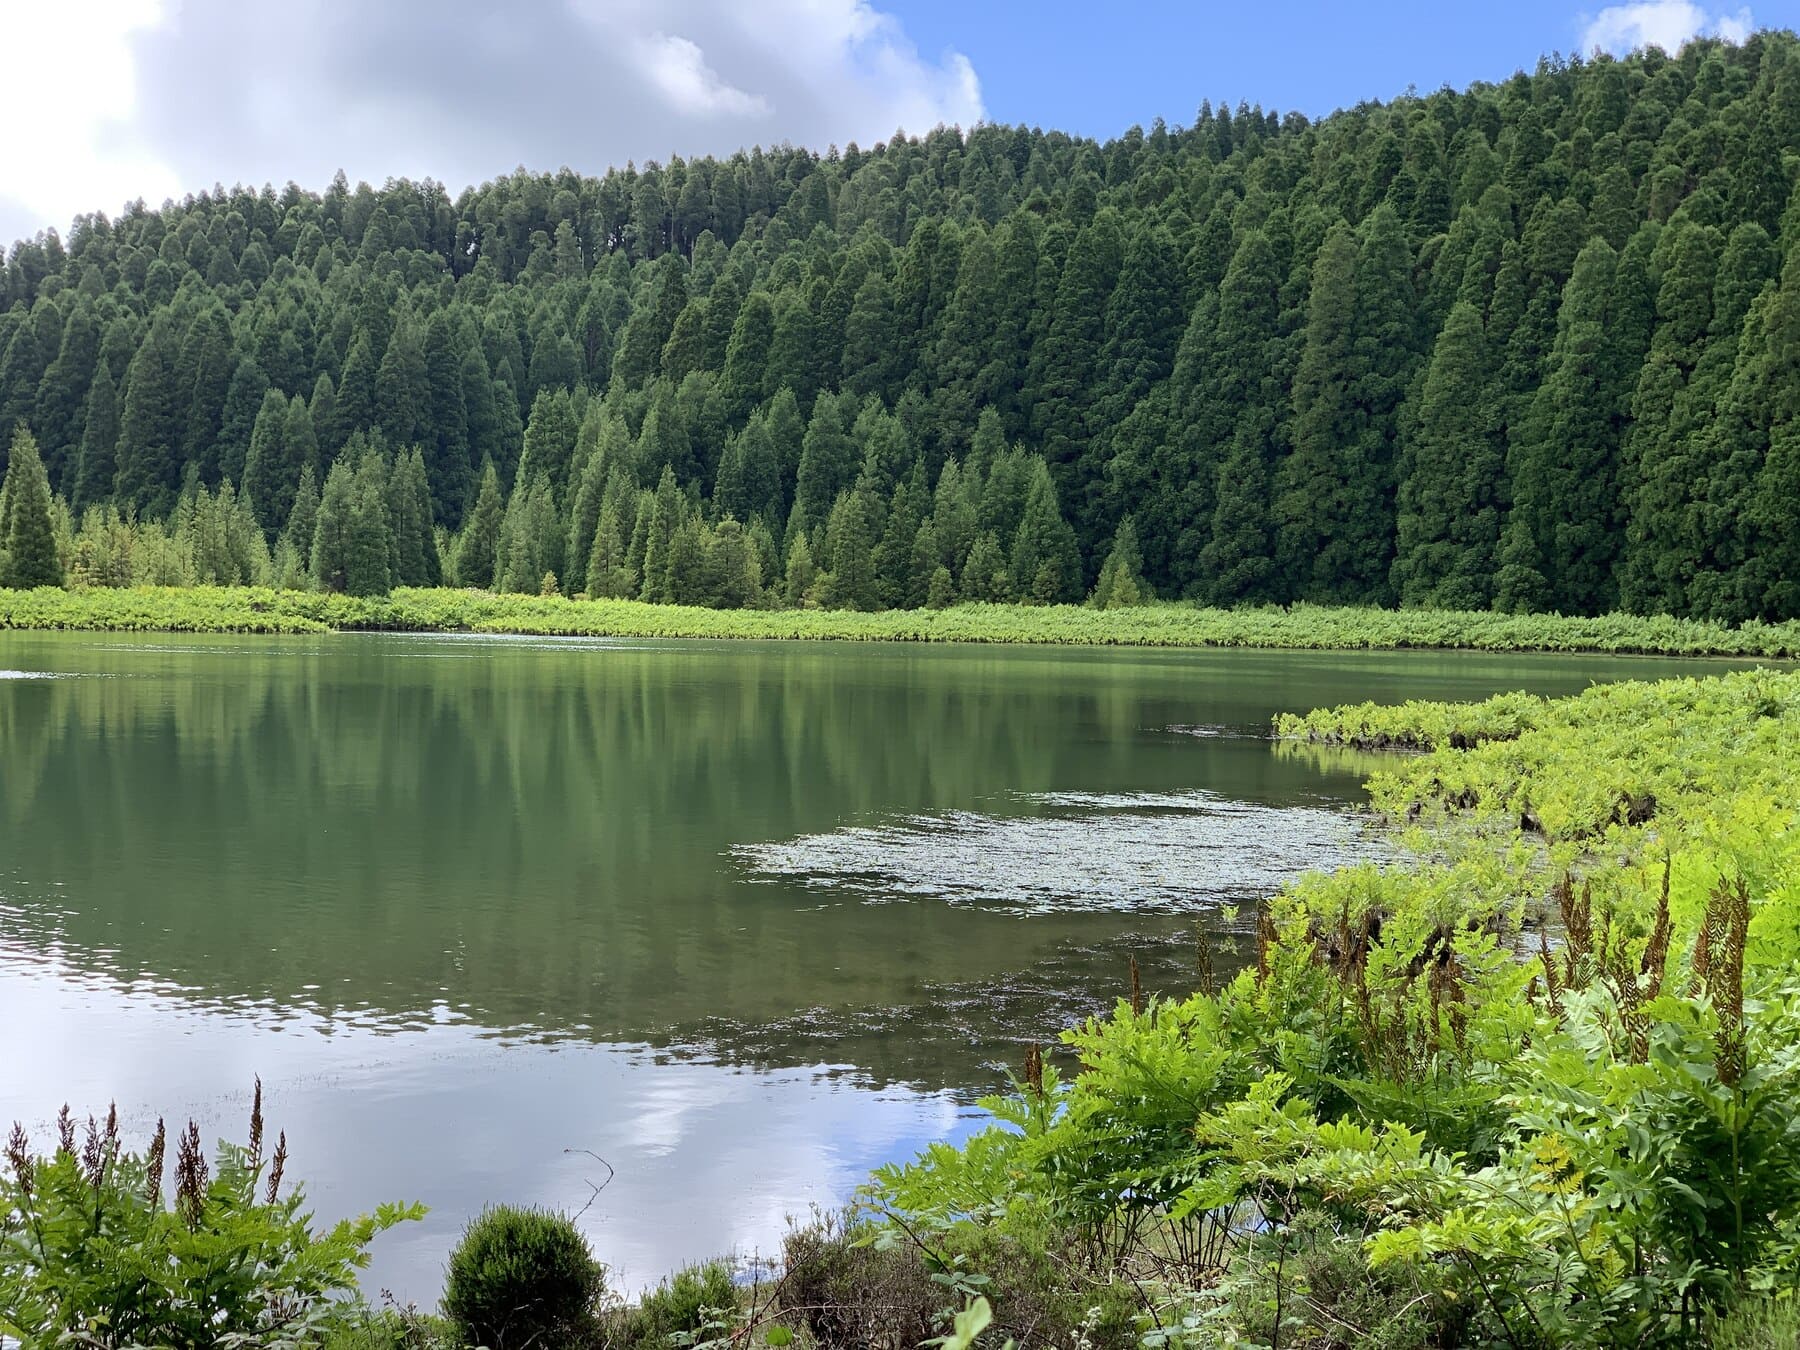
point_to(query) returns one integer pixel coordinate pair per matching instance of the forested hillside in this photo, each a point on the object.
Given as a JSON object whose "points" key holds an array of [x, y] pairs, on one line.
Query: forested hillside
{"points": [[1533, 345]]}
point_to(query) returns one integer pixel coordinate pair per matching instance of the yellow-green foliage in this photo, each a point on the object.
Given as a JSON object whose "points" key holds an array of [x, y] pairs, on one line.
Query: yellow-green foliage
{"points": [[256, 609], [1541, 1077]]}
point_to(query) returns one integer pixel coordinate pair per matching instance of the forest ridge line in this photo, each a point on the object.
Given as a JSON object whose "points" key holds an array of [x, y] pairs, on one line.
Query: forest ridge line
{"points": [[1528, 346]]}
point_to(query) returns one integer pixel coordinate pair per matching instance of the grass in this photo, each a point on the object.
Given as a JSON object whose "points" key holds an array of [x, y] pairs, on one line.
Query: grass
{"points": [[208, 609]]}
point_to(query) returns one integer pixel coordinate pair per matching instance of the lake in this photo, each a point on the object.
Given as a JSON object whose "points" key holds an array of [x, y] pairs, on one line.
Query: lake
{"points": [[743, 919]]}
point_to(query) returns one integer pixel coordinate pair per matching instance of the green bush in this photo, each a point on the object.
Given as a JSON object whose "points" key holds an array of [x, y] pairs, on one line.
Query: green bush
{"points": [[683, 1304], [523, 1277], [95, 1251]]}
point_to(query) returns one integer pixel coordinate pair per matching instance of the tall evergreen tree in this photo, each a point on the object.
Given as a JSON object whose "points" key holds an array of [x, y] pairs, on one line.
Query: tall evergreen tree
{"points": [[99, 440], [150, 424], [479, 546], [28, 554], [1451, 485]]}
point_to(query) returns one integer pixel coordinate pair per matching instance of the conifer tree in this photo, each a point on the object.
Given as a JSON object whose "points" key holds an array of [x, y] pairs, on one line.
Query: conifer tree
{"points": [[332, 531], [28, 554], [850, 550], [303, 520], [666, 515], [272, 469], [1121, 582], [801, 573], [367, 568], [608, 576], [479, 546], [1450, 504], [1046, 564], [1565, 473], [445, 430], [237, 421], [99, 438], [150, 424], [402, 387], [986, 576]]}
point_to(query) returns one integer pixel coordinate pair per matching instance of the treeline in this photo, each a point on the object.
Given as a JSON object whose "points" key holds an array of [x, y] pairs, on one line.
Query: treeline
{"points": [[1525, 346]]}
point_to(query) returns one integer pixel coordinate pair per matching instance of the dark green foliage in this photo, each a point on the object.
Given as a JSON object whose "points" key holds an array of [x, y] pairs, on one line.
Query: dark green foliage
{"points": [[1121, 580], [353, 544], [303, 520], [523, 1278], [1504, 345], [99, 440], [150, 424], [27, 540], [480, 543], [682, 1305], [1451, 489], [1046, 565]]}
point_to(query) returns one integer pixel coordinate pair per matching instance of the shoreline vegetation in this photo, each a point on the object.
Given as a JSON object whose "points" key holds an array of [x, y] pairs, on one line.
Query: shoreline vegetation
{"points": [[241, 609]]}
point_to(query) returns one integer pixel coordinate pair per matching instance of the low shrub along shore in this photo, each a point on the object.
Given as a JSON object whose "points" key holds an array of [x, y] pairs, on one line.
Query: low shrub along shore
{"points": [[234, 609]]}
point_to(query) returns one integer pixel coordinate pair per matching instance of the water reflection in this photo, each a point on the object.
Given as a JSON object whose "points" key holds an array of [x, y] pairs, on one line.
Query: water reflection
{"points": [[743, 918], [707, 1159]]}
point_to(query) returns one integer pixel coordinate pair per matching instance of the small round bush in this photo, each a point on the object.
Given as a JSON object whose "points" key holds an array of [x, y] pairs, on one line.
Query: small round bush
{"points": [[682, 1303], [523, 1277]]}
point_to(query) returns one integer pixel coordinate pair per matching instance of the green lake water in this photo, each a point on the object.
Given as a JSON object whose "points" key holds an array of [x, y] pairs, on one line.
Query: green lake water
{"points": [[744, 919]]}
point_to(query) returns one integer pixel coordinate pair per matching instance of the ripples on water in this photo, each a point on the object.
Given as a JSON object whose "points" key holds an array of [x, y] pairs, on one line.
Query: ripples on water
{"points": [[1150, 853]]}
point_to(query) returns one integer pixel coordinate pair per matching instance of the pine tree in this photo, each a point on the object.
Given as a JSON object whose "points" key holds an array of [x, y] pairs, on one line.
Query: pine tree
{"points": [[1046, 564], [150, 424], [850, 552], [531, 537], [332, 532], [1314, 485], [608, 576], [550, 436], [99, 439], [747, 355], [270, 463], [63, 394], [479, 545], [1121, 582], [827, 466], [986, 576], [1068, 371], [666, 515], [402, 388], [303, 520], [800, 574], [237, 421], [1450, 507], [1565, 474], [204, 370], [367, 570], [445, 433], [28, 554], [1660, 469]]}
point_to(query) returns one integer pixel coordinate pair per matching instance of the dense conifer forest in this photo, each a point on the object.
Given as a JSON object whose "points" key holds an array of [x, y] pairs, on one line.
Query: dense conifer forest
{"points": [[1534, 345]]}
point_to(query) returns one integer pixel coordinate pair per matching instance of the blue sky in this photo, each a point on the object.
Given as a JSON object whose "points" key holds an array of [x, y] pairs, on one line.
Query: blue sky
{"points": [[1053, 64], [174, 96]]}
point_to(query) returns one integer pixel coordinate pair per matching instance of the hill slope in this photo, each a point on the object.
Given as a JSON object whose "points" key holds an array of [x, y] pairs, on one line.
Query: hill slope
{"points": [[1529, 345]]}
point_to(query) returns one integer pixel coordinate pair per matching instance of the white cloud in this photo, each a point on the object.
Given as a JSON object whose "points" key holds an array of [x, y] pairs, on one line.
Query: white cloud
{"points": [[70, 144], [172, 96], [678, 67], [1669, 24]]}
